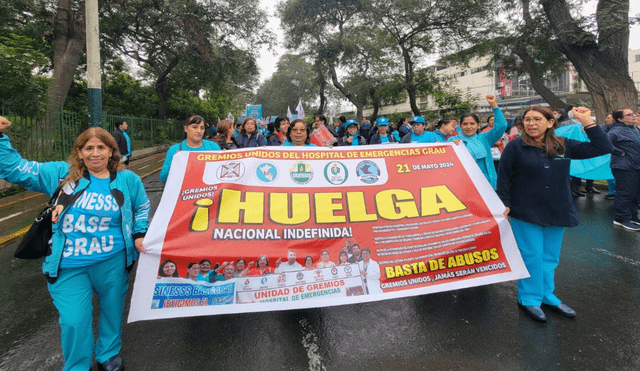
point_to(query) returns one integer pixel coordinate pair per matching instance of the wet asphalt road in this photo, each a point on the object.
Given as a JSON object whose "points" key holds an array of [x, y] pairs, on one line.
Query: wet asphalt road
{"points": [[471, 329]]}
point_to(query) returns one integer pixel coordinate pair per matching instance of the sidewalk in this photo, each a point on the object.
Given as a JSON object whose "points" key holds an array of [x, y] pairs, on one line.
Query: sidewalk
{"points": [[18, 211]]}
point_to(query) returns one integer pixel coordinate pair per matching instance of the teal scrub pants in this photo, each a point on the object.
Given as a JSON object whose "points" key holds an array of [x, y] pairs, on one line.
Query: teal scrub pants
{"points": [[539, 246], [72, 295]]}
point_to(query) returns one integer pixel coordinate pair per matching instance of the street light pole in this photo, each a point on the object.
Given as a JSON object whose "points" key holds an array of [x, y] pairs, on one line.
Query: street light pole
{"points": [[93, 63]]}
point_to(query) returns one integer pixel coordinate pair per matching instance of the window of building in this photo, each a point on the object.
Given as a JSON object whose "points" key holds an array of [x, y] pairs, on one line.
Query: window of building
{"points": [[637, 57]]}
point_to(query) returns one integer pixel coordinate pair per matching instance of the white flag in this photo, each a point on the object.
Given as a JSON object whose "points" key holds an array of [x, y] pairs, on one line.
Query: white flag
{"points": [[300, 110], [289, 115], [230, 117]]}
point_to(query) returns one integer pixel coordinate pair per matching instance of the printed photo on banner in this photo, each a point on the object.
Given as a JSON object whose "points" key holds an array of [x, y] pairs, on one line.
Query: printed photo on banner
{"points": [[271, 228]]}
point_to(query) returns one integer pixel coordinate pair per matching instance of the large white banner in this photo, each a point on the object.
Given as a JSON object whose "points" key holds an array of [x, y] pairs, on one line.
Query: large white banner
{"points": [[309, 227]]}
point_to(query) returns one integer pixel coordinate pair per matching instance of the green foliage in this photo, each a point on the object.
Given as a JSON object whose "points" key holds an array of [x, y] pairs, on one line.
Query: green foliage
{"points": [[20, 88], [293, 80], [12, 190], [452, 103]]}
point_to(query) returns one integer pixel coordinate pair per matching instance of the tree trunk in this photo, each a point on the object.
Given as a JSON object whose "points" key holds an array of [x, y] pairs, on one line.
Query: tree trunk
{"points": [[323, 83], [68, 46], [162, 89], [376, 104], [602, 65], [346, 93], [537, 81], [408, 80]]}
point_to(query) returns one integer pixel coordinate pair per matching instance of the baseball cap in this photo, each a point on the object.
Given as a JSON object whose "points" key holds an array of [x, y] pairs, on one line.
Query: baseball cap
{"points": [[381, 121], [418, 119], [350, 122]]}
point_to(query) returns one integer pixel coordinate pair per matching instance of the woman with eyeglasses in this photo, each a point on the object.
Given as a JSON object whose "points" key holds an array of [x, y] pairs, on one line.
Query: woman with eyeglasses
{"points": [[533, 184], [298, 134], [625, 166], [194, 128]]}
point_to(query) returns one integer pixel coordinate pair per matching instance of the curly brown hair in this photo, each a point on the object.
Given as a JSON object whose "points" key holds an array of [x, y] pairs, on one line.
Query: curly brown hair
{"points": [[77, 168]]}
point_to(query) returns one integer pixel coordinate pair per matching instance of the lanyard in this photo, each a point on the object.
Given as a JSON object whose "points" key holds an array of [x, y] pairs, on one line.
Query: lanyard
{"points": [[634, 132]]}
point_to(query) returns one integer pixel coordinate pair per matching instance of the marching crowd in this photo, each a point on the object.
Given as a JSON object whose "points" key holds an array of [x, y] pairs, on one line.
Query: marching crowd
{"points": [[532, 178]]}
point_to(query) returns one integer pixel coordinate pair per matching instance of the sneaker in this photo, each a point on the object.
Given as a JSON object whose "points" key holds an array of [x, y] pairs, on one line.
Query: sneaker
{"points": [[635, 220], [609, 196], [627, 225]]}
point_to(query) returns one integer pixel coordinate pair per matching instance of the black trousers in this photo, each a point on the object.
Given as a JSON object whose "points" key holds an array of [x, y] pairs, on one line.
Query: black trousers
{"points": [[625, 205]]}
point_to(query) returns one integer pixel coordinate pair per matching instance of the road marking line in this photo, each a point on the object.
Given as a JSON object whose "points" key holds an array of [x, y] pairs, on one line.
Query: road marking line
{"points": [[144, 167], [151, 172], [624, 259], [309, 341], [20, 200], [14, 235], [11, 216]]}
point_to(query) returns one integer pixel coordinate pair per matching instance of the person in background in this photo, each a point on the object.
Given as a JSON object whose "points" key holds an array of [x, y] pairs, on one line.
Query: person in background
{"points": [[280, 127], [194, 128], [321, 120], [366, 129], [625, 166], [533, 184], [445, 129], [92, 171], [419, 133], [611, 183], [249, 135], [403, 127], [351, 137], [382, 136], [341, 126], [123, 141], [479, 145], [225, 135]]}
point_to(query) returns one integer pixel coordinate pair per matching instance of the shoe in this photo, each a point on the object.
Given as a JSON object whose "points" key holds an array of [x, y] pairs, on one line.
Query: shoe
{"points": [[562, 309], [581, 190], [627, 225], [114, 363], [593, 190], [609, 197], [576, 193], [534, 312], [635, 220]]}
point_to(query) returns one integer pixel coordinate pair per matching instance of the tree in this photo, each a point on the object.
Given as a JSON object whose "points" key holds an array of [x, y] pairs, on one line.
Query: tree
{"points": [[600, 57], [320, 27], [416, 24], [162, 35], [293, 80]]}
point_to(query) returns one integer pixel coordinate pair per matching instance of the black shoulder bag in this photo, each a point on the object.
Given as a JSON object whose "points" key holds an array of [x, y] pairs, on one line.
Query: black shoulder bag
{"points": [[35, 244]]}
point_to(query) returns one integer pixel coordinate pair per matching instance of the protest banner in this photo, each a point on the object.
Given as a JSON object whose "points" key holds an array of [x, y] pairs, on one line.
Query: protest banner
{"points": [[254, 111], [423, 216]]}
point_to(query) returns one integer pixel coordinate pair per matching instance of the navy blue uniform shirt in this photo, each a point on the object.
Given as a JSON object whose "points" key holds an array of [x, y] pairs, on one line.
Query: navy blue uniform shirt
{"points": [[536, 188]]}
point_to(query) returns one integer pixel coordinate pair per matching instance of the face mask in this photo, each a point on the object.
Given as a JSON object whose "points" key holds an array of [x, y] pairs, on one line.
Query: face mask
{"points": [[557, 117]]}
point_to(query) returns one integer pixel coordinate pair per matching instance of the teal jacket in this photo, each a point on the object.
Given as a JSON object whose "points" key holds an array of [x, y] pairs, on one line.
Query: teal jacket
{"points": [[126, 187], [486, 140]]}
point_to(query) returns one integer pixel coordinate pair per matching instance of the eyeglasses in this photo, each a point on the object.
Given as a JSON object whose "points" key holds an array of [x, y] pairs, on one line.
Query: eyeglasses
{"points": [[535, 120], [631, 114]]}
